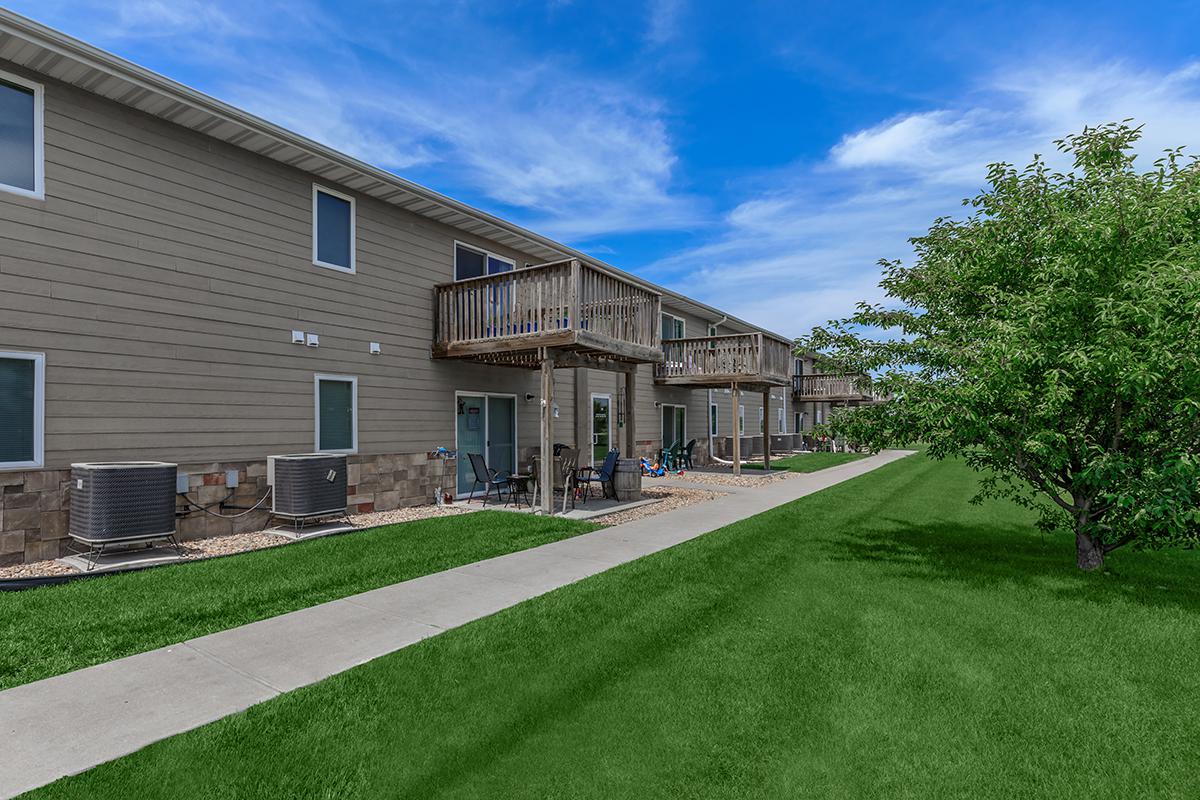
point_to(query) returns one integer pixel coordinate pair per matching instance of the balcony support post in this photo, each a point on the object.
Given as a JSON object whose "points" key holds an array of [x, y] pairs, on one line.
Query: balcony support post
{"points": [[737, 430], [546, 472], [631, 413], [766, 430]]}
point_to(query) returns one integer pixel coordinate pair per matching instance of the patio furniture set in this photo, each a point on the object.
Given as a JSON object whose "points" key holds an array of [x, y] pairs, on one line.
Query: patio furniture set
{"points": [[574, 481]]}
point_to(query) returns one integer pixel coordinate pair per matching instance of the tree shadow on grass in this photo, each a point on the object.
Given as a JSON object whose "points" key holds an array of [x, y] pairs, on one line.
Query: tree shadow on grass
{"points": [[990, 553]]}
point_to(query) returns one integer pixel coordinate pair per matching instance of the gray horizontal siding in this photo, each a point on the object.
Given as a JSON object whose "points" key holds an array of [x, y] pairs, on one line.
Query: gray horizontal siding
{"points": [[162, 276]]}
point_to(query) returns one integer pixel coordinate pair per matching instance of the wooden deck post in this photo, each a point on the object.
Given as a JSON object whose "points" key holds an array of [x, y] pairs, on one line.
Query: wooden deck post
{"points": [[546, 472], [766, 430], [737, 432], [631, 413]]}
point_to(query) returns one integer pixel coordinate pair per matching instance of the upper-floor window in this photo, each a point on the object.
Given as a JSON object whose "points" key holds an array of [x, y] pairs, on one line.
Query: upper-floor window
{"points": [[673, 327], [471, 262], [22, 414], [21, 162], [799, 366], [333, 229]]}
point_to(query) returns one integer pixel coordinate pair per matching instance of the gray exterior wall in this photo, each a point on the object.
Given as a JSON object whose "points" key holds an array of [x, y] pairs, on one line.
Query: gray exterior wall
{"points": [[162, 275]]}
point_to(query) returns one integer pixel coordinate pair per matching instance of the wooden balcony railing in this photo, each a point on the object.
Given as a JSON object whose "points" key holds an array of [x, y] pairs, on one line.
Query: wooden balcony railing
{"points": [[750, 358], [564, 304], [832, 388]]}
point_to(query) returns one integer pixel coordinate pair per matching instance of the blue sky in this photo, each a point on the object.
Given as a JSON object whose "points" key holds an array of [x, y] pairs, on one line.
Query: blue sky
{"points": [[759, 156]]}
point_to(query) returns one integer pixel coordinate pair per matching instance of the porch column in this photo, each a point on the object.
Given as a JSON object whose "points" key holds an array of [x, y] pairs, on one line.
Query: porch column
{"points": [[737, 431], [546, 473], [583, 410], [766, 430], [631, 413]]}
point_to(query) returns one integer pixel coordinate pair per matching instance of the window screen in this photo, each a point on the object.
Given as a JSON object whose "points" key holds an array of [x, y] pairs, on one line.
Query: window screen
{"points": [[18, 137], [18, 378], [334, 231], [335, 414]]}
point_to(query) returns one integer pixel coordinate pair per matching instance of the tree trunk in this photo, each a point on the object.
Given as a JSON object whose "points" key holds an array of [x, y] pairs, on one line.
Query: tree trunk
{"points": [[1089, 553]]}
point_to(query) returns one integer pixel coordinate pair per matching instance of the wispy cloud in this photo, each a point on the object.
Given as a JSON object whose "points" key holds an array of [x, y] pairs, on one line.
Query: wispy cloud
{"points": [[573, 154], [805, 249], [664, 19]]}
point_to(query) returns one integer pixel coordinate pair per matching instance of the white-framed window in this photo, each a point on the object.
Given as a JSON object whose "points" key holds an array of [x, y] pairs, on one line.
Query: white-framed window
{"points": [[673, 327], [22, 137], [798, 366], [333, 231], [475, 262], [741, 420], [22, 410], [712, 330], [819, 419], [782, 420], [760, 420], [713, 419], [335, 412]]}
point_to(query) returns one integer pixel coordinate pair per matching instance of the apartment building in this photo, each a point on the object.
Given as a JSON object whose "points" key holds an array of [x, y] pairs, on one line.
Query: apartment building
{"points": [[183, 281]]}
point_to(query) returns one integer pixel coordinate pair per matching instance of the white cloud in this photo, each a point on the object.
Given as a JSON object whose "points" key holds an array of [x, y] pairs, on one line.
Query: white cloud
{"points": [[574, 155], [806, 250]]}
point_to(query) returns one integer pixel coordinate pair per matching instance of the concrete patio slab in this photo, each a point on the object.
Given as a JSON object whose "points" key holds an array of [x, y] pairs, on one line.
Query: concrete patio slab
{"points": [[69, 723], [123, 560]]}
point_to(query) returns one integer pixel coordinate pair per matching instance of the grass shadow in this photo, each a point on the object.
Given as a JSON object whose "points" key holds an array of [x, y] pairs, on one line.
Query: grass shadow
{"points": [[992, 553]]}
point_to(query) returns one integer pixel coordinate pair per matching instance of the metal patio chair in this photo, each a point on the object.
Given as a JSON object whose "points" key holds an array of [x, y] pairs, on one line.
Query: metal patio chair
{"points": [[487, 478], [603, 476]]}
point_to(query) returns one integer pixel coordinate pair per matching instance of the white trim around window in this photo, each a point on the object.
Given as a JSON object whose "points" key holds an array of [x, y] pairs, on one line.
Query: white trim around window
{"points": [[682, 324], [318, 189], [39, 138], [353, 381], [39, 410], [488, 255]]}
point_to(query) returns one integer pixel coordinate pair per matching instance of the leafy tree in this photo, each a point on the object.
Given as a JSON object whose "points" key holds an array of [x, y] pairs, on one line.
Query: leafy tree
{"points": [[1052, 339]]}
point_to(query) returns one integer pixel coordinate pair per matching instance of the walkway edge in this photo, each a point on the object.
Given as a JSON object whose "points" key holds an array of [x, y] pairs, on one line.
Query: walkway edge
{"points": [[69, 723]]}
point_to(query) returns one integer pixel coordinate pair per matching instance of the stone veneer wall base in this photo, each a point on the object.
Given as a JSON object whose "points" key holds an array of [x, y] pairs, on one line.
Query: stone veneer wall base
{"points": [[34, 505]]}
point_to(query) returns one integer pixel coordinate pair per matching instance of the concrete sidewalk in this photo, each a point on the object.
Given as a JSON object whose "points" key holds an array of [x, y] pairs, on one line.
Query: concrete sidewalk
{"points": [[69, 723]]}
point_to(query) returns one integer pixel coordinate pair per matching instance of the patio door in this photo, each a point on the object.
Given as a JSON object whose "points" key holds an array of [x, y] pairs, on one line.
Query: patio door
{"points": [[486, 425], [674, 426], [601, 427]]}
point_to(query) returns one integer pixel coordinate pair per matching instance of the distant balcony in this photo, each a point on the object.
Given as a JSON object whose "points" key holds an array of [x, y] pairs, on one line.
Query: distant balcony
{"points": [[567, 305], [714, 361], [832, 389]]}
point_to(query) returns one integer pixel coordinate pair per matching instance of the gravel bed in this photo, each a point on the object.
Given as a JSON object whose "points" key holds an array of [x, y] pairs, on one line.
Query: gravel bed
{"points": [[410, 514], [727, 479], [669, 498]]}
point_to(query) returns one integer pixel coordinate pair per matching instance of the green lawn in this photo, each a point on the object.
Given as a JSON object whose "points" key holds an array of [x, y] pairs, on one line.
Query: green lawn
{"points": [[56, 629], [880, 639], [810, 462]]}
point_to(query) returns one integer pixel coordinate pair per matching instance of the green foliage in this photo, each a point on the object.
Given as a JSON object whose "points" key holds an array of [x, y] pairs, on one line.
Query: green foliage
{"points": [[1050, 339]]}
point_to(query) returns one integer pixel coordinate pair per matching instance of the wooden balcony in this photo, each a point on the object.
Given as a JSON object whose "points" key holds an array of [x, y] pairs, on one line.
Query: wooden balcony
{"points": [[751, 359], [850, 389], [566, 305]]}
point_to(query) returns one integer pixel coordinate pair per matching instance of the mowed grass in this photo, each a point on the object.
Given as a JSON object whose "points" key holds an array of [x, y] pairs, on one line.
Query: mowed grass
{"points": [[879, 639], [809, 462], [56, 629]]}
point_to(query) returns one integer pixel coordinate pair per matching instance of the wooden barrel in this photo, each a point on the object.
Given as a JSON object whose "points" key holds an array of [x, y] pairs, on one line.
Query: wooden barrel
{"points": [[627, 479]]}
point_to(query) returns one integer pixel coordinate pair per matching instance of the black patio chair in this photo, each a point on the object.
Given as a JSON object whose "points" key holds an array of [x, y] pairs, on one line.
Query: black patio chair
{"points": [[602, 476], [686, 455], [487, 478]]}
